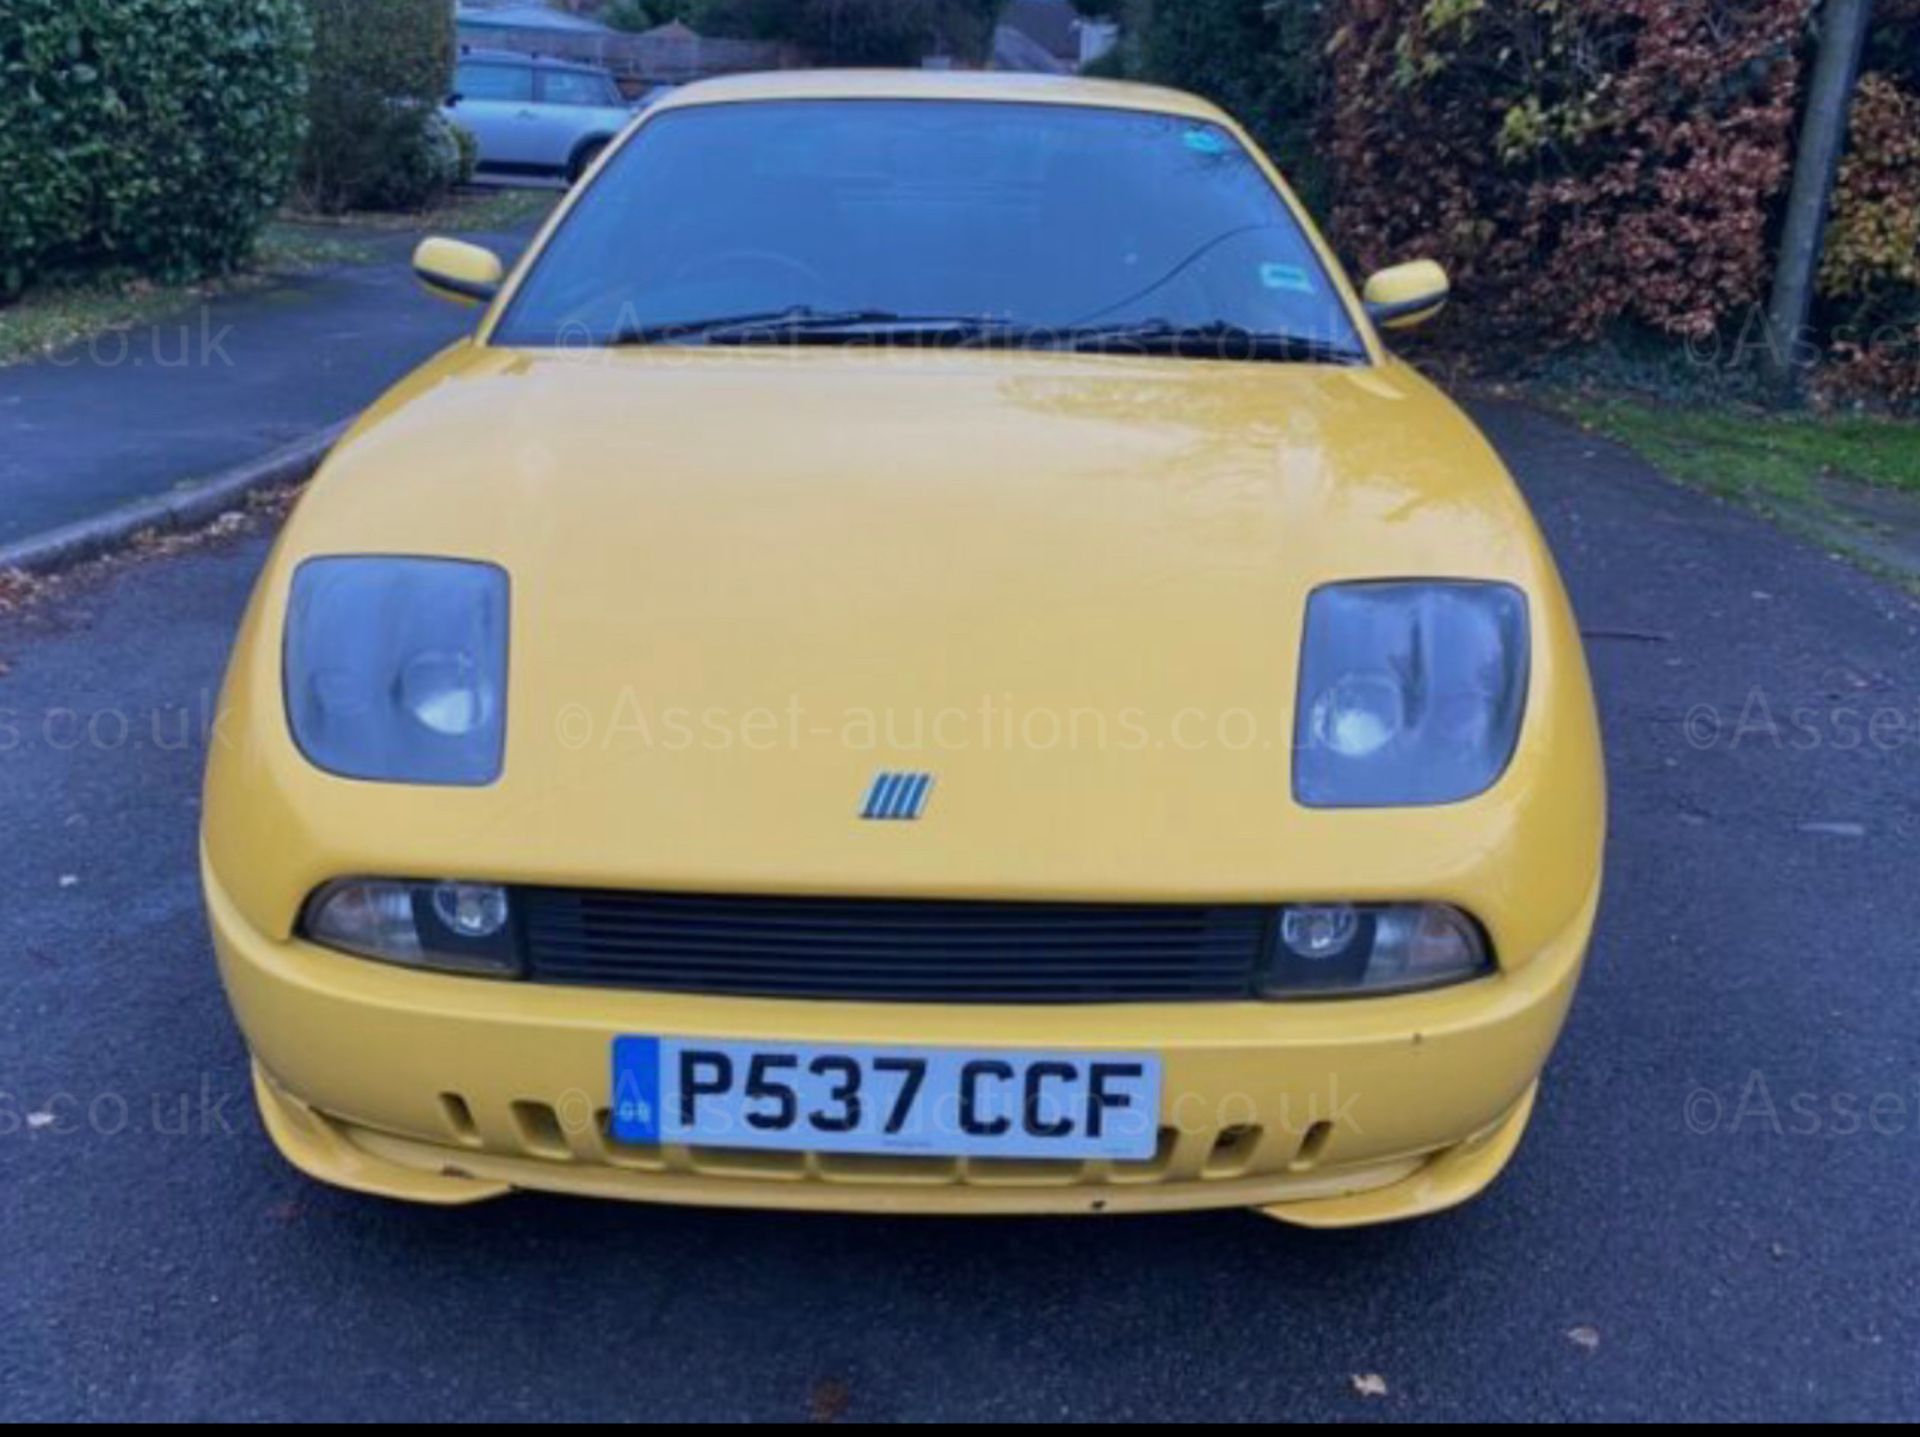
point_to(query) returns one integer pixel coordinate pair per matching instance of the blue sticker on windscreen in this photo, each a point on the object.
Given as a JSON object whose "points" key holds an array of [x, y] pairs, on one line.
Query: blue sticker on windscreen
{"points": [[1208, 142], [1291, 278]]}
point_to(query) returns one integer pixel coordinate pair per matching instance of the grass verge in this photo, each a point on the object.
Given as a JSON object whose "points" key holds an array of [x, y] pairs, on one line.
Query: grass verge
{"points": [[1850, 482], [470, 211], [56, 316], [1741, 454]]}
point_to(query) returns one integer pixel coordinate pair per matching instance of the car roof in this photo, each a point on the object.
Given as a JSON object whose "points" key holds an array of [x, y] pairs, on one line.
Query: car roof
{"points": [[942, 85], [539, 62]]}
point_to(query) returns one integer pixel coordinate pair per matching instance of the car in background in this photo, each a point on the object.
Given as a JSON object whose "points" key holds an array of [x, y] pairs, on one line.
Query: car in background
{"points": [[535, 116]]}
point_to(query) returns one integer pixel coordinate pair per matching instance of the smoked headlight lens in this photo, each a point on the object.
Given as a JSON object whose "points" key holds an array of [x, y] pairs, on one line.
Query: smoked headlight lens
{"points": [[1411, 695], [1350, 950], [449, 927], [396, 669]]}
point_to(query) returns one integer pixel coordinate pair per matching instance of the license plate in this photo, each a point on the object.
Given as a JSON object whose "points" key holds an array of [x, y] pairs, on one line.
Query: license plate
{"points": [[932, 1102]]}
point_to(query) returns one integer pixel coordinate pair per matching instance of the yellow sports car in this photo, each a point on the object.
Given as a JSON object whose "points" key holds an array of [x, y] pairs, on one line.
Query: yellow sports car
{"points": [[924, 658]]}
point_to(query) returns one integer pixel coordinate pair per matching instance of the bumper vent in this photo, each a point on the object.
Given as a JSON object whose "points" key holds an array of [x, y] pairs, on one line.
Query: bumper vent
{"points": [[894, 951]]}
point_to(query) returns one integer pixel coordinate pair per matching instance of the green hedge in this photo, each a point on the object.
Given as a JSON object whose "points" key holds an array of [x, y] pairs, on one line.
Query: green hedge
{"points": [[1264, 63], [381, 71], [147, 136]]}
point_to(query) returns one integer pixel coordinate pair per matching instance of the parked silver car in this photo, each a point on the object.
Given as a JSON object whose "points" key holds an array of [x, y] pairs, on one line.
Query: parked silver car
{"points": [[536, 116]]}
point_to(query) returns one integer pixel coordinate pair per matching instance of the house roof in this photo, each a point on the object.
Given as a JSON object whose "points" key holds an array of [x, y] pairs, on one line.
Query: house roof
{"points": [[525, 17], [1052, 24], [1016, 50]]}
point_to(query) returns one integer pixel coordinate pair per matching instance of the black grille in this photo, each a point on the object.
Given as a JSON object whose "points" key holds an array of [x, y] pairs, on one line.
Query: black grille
{"points": [[894, 951]]}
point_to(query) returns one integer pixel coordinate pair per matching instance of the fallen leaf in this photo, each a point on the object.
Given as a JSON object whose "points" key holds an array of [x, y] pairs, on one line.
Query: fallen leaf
{"points": [[1587, 1339], [828, 1402], [1370, 1385], [37, 1121], [69, 880]]}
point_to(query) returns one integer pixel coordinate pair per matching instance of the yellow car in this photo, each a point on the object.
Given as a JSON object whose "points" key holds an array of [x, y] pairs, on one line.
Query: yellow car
{"points": [[923, 659]]}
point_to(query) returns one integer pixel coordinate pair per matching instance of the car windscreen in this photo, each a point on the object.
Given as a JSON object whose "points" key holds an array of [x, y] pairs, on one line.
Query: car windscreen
{"points": [[1058, 217]]}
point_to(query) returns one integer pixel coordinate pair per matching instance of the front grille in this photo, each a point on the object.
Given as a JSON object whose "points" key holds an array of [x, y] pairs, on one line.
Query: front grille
{"points": [[894, 950]]}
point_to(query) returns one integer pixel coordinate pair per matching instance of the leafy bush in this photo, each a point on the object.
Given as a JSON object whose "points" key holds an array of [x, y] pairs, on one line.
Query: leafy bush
{"points": [[882, 32], [1577, 165], [1588, 169], [1870, 279], [425, 162], [1264, 63], [838, 32], [143, 135], [380, 73], [468, 144], [1894, 48]]}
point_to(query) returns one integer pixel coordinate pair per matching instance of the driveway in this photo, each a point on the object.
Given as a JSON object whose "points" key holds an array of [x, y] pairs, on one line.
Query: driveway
{"points": [[1713, 1218]]}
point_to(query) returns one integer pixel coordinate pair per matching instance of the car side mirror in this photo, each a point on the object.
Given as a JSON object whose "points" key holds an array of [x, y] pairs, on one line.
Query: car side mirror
{"points": [[453, 100], [462, 273], [1408, 295]]}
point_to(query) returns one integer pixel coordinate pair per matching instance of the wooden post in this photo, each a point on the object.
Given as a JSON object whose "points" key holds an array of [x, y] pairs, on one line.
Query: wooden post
{"points": [[1843, 38]]}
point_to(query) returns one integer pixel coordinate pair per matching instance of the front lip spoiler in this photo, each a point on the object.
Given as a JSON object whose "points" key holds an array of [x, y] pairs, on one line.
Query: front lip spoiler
{"points": [[404, 1170], [1452, 1179]]}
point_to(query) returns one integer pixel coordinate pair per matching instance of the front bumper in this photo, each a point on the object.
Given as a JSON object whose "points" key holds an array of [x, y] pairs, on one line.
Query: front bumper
{"points": [[446, 1090]]}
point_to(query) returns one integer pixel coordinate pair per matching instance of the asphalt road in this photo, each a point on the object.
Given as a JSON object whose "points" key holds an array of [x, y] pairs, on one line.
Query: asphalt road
{"points": [[1715, 1215]]}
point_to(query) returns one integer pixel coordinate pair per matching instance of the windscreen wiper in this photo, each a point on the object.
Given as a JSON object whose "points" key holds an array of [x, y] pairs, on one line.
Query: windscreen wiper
{"points": [[803, 324], [1215, 340]]}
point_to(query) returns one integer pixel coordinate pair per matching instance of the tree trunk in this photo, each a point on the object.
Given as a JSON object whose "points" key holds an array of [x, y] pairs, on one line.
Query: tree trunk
{"points": [[1843, 38]]}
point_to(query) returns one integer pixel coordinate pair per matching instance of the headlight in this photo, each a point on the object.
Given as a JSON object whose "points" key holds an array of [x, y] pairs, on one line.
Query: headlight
{"points": [[1344, 950], [1411, 694], [396, 669], [449, 927]]}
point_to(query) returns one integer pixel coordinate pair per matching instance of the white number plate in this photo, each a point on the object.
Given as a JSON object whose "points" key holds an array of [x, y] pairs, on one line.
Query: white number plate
{"points": [[935, 1102]]}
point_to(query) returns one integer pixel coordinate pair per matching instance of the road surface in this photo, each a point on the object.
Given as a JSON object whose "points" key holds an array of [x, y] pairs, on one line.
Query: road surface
{"points": [[1715, 1215]]}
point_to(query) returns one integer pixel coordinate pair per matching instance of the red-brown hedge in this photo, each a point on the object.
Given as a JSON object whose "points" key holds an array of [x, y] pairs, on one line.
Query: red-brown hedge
{"points": [[1576, 164]]}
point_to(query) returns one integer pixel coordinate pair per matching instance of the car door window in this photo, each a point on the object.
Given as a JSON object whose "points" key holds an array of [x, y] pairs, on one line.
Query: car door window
{"points": [[565, 87], [495, 82]]}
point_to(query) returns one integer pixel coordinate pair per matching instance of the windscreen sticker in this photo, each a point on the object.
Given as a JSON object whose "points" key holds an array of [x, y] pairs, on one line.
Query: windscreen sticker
{"points": [[1290, 278]]}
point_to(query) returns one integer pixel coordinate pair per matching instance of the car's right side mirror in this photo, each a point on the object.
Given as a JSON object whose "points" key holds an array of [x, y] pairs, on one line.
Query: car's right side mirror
{"points": [[1407, 295], [463, 273]]}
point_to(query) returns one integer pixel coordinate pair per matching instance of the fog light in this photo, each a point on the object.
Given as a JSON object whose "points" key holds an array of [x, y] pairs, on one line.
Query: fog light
{"points": [[1341, 950], [471, 910], [1319, 934]]}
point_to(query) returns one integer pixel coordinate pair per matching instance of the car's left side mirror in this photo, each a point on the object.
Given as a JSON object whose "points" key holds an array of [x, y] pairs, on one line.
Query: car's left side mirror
{"points": [[463, 273], [1408, 295]]}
